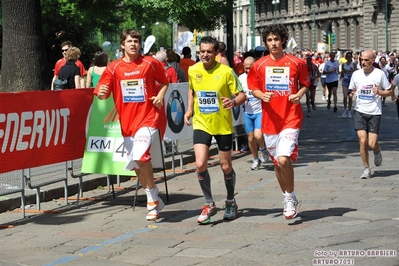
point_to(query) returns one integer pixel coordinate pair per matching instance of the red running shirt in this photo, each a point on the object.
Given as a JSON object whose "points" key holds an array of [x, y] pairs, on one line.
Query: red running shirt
{"points": [[132, 85], [284, 77], [60, 63]]}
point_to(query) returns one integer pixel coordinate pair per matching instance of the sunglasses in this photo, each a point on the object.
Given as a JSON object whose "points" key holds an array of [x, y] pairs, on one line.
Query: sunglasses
{"points": [[64, 50]]}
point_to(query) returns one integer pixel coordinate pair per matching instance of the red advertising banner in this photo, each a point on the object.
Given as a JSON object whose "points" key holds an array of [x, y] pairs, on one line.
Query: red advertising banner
{"points": [[42, 127]]}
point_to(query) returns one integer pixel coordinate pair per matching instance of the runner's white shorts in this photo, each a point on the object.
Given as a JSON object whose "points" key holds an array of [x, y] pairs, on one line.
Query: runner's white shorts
{"points": [[138, 147], [283, 144]]}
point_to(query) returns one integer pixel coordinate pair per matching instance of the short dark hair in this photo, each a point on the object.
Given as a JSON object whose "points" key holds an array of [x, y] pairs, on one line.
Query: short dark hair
{"points": [[100, 59], [210, 40], [276, 29], [186, 51], [132, 33], [222, 47], [69, 43], [171, 56]]}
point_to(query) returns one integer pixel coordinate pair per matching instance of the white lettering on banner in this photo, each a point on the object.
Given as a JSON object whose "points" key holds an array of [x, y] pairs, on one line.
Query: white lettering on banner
{"points": [[17, 127]]}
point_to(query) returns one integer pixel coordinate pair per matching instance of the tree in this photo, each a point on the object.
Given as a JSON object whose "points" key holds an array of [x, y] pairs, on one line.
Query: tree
{"points": [[24, 59], [205, 15]]}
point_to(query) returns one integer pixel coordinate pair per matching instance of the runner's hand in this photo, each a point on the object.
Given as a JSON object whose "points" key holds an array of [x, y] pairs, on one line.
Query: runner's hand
{"points": [[294, 98], [156, 101], [103, 91], [187, 117], [227, 103], [267, 96]]}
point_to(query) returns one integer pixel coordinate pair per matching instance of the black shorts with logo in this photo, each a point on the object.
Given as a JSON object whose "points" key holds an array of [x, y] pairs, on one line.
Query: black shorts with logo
{"points": [[369, 123], [225, 142]]}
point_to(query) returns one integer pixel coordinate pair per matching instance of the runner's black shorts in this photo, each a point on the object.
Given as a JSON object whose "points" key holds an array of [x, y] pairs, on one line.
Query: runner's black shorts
{"points": [[369, 123], [225, 142]]}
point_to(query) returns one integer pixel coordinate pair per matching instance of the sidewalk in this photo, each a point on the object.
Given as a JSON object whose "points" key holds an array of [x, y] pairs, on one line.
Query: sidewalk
{"points": [[340, 215]]}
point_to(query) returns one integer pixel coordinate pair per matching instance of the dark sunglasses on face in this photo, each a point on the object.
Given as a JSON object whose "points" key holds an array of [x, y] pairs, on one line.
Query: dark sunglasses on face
{"points": [[64, 50]]}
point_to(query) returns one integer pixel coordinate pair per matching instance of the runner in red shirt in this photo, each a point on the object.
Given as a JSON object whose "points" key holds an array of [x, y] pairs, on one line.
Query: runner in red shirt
{"points": [[132, 81], [280, 80]]}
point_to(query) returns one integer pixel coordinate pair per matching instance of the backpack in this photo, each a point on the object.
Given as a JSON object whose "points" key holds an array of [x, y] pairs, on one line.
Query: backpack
{"points": [[60, 84]]}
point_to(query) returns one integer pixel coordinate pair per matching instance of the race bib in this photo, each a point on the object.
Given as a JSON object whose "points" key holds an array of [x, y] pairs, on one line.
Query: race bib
{"points": [[133, 90], [277, 78], [208, 102], [366, 93]]}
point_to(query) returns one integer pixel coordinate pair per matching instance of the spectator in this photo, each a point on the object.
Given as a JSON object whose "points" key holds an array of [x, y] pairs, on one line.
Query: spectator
{"points": [[70, 71], [94, 73], [64, 47], [170, 72], [171, 59], [186, 61]]}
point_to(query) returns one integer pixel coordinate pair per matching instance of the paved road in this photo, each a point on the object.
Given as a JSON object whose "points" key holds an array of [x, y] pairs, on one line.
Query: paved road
{"points": [[343, 220]]}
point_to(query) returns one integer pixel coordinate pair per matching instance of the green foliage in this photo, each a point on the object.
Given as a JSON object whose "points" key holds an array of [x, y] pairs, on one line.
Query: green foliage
{"points": [[162, 33], [205, 15]]}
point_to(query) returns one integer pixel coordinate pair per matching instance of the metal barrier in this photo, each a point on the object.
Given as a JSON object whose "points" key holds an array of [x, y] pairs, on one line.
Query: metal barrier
{"points": [[13, 182], [45, 175], [37, 177]]}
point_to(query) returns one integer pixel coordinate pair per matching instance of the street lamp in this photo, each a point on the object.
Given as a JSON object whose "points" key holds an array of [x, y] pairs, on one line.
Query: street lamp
{"points": [[142, 37], [157, 23], [386, 25], [252, 24], [275, 3], [314, 25]]}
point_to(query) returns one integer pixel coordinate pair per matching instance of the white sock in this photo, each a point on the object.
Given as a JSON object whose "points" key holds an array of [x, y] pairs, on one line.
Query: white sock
{"points": [[152, 194], [290, 195]]}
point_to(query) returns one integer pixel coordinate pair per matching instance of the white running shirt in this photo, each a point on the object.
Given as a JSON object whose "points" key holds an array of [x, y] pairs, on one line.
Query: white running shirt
{"points": [[367, 102], [252, 105]]}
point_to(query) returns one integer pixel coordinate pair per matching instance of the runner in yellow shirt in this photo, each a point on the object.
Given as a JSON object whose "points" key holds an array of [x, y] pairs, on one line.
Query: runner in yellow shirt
{"points": [[214, 90]]}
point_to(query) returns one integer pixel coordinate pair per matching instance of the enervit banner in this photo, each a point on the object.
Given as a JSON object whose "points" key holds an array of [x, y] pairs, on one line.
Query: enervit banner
{"points": [[42, 127]]}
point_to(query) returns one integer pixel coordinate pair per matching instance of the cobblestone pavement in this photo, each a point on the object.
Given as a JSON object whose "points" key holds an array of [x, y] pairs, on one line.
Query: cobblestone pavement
{"points": [[343, 220]]}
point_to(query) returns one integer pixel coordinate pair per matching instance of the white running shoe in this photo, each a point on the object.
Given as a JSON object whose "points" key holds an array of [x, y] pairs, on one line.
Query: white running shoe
{"points": [[290, 208], [154, 214], [255, 164], [366, 174], [152, 198], [345, 113], [323, 98]]}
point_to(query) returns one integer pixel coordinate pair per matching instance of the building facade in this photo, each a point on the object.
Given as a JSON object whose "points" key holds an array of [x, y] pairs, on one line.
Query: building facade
{"points": [[352, 24]]}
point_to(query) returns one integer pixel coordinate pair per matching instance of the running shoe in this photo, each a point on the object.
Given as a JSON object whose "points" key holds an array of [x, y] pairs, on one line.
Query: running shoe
{"points": [[255, 164], [345, 113], [290, 208], [366, 174], [230, 210], [264, 155], [323, 98], [328, 104], [152, 198], [349, 114], [208, 210], [308, 114], [154, 214], [313, 106], [378, 158], [335, 109]]}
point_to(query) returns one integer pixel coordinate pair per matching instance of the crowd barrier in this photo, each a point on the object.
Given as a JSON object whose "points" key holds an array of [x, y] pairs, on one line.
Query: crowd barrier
{"points": [[42, 142]]}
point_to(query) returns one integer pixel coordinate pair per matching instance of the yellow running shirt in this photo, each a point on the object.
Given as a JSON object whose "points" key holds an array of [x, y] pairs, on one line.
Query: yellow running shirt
{"points": [[209, 86]]}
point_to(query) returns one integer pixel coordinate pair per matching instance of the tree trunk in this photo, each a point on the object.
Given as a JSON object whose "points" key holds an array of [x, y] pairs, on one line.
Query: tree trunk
{"points": [[24, 61]]}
